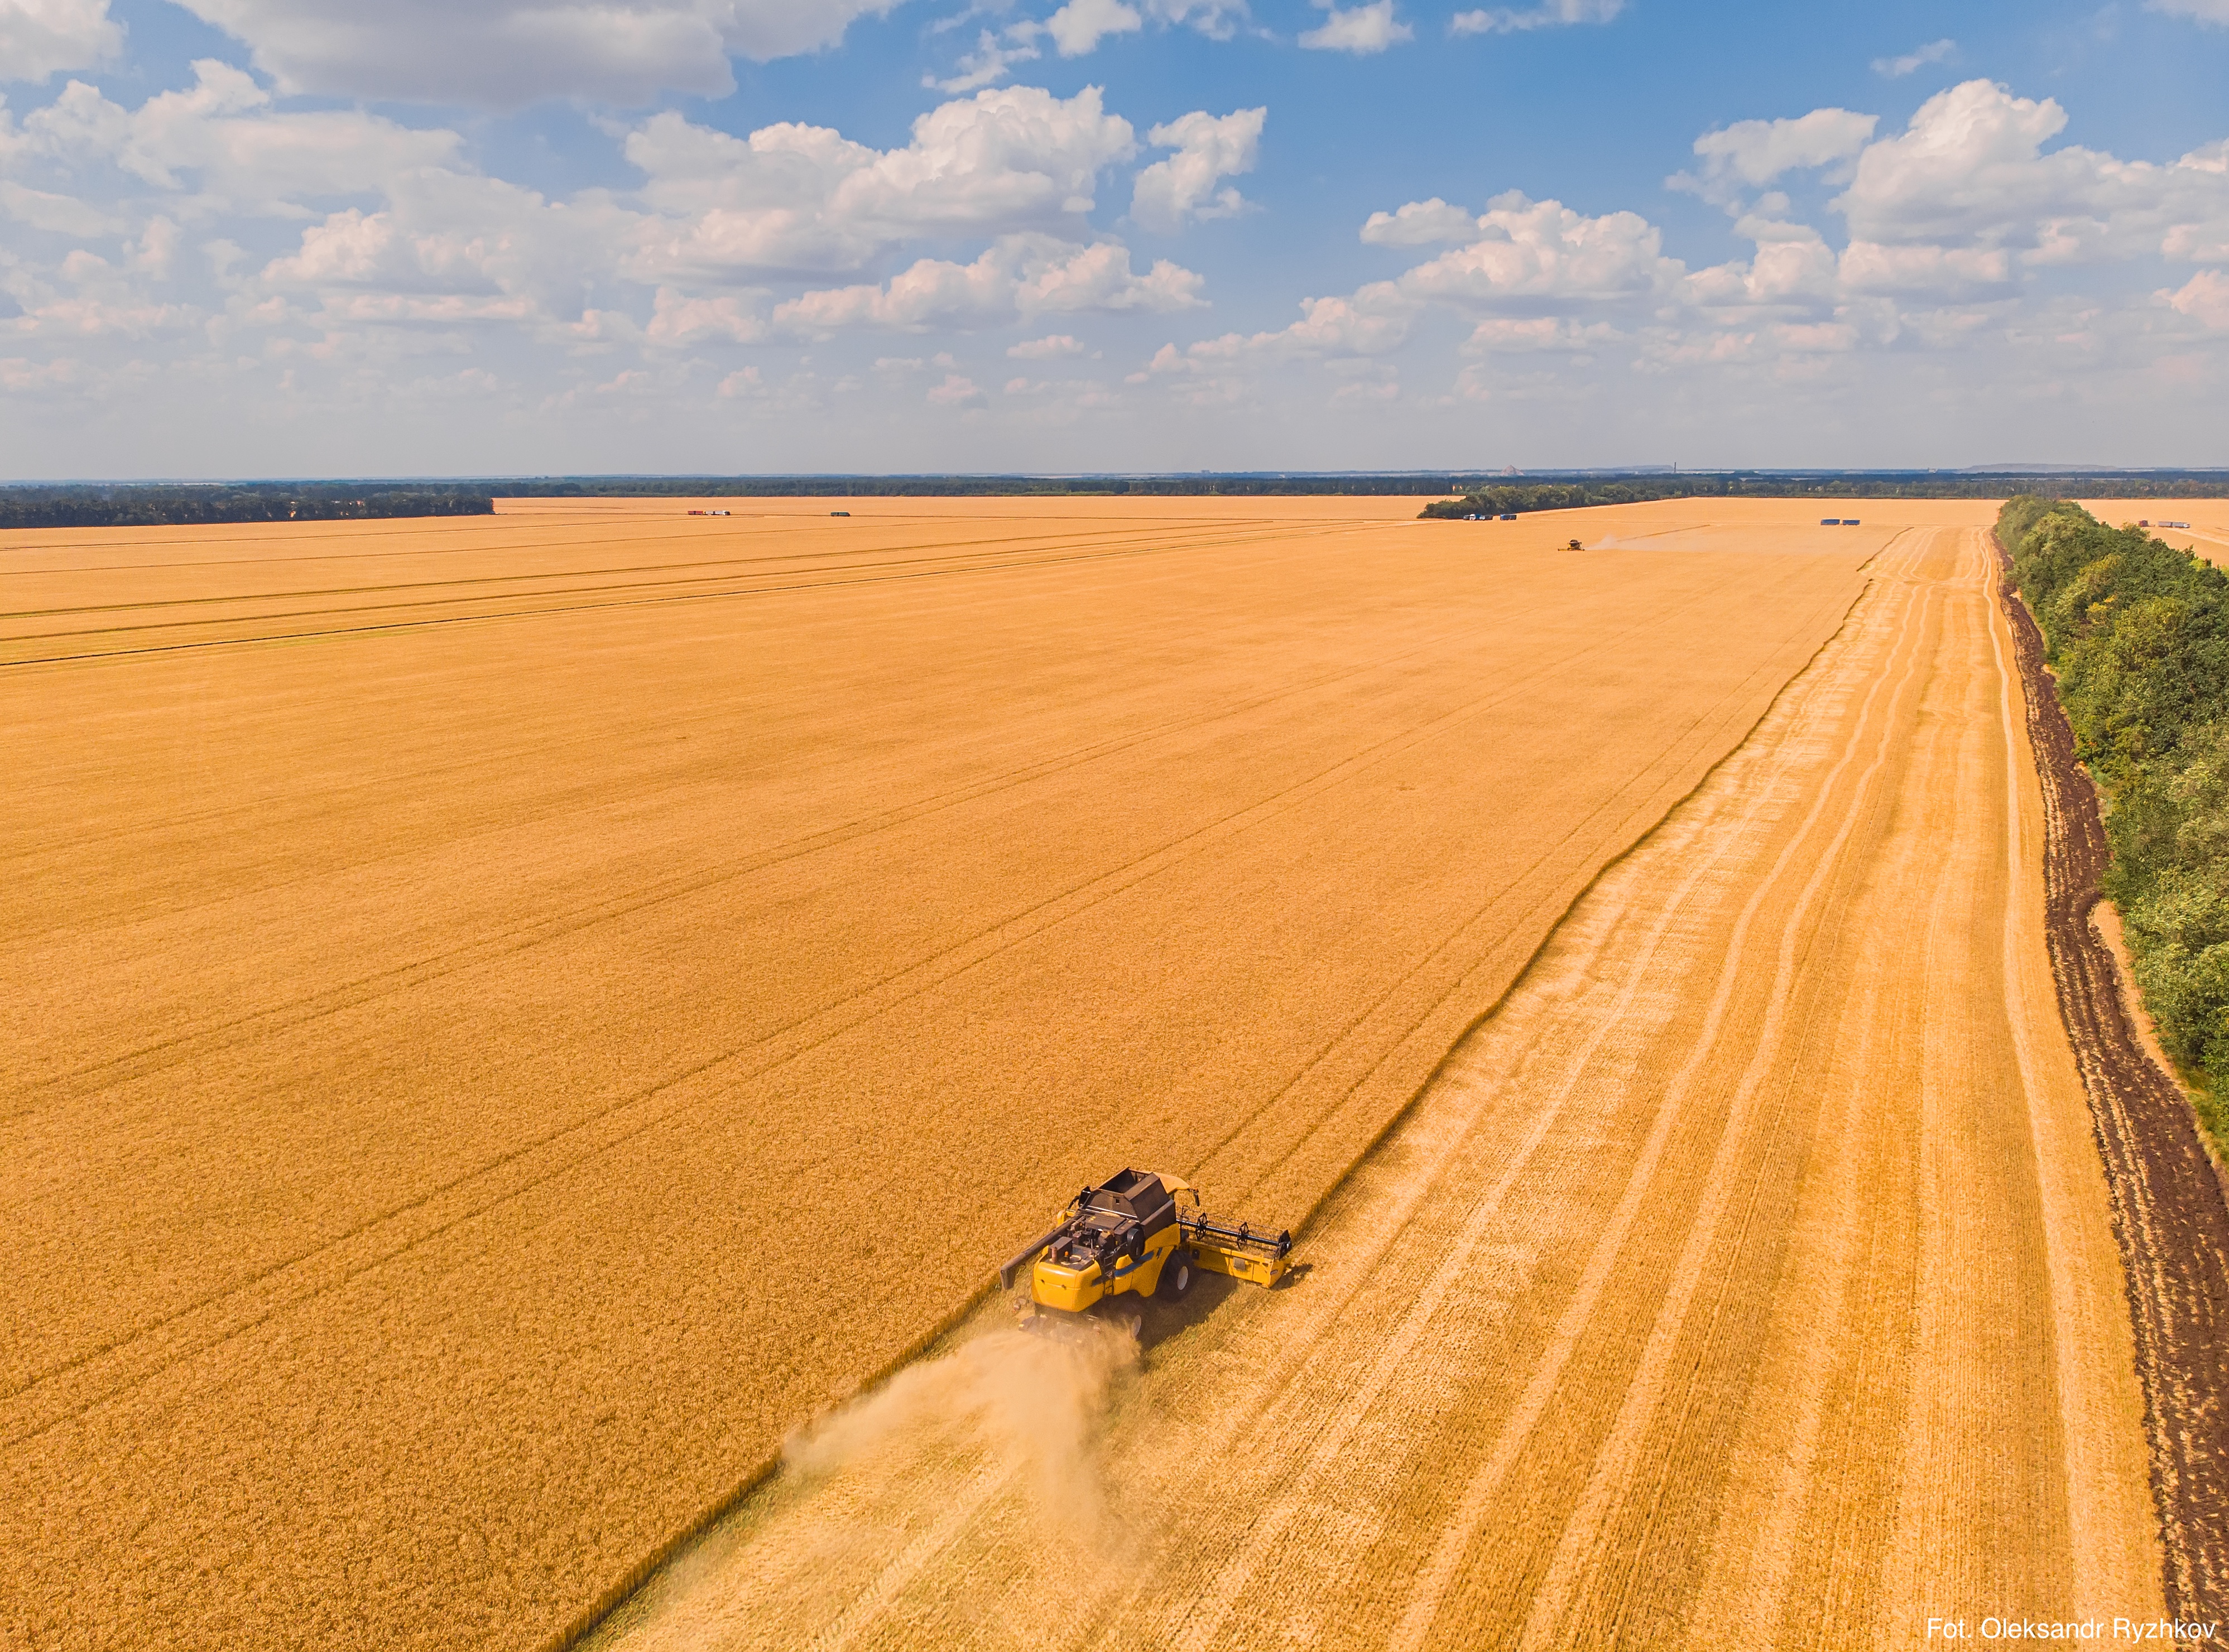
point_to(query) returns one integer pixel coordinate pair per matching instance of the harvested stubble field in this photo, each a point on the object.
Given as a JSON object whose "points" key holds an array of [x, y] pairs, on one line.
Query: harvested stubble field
{"points": [[2207, 537], [1746, 1278], [508, 1016]]}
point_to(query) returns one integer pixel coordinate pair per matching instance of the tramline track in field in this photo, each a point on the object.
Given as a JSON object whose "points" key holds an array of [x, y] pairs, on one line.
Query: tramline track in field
{"points": [[1749, 1264]]}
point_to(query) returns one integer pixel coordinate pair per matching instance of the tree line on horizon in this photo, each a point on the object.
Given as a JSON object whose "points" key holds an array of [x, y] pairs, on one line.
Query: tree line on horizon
{"points": [[142, 504], [153, 505], [1474, 490], [1504, 498]]}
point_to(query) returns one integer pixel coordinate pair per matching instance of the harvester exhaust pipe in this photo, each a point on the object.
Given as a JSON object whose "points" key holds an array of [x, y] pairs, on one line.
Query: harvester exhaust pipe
{"points": [[1023, 1257]]}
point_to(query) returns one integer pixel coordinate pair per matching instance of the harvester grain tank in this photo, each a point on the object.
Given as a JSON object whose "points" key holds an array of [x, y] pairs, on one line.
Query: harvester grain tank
{"points": [[1138, 1233]]}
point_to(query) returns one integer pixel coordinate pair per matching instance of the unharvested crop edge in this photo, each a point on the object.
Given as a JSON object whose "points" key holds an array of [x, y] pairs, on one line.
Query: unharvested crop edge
{"points": [[1401, 1115], [585, 1623], [1640, 841]]}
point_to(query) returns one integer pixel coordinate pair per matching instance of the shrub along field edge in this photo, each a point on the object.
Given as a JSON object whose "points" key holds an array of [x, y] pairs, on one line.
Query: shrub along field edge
{"points": [[2137, 636]]}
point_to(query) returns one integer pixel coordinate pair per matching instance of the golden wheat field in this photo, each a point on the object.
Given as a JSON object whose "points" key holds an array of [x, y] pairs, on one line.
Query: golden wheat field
{"points": [[1745, 1279], [2207, 535], [508, 1017]]}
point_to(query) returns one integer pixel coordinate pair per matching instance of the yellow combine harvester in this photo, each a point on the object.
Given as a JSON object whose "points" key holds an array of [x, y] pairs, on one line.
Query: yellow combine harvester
{"points": [[1136, 1233]]}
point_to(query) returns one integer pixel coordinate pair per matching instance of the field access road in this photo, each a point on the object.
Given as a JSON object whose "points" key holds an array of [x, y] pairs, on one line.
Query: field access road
{"points": [[1746, 1278]]}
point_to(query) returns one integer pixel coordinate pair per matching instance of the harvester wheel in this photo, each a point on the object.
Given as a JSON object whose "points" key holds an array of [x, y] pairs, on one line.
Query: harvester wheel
{"points": [[1176, 1277]]}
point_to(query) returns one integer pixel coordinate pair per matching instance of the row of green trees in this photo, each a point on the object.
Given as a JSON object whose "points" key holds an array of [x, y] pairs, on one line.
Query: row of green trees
{"points": [[1520, 497], [2138, 634], [1496, 499], [1479, 490], [143, 505]]}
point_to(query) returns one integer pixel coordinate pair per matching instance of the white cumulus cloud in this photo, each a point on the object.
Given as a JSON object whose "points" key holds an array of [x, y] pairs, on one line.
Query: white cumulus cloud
{"points": [[59, 214], [996, 53], [678, 320], [453, 246], [1371, 321], [222, 138], [1018, 277], [1793, 267], [1076, 28], [1896, 68], [1756, 151], [958, 390], [805, 199], [1560, 334], [1359, 29], [1420, 223], [1970, 170], [1943, 272], [2204, 11], [1208, 147], [1555, 14], [39, 38], [2204, 299], [507, 53], [1542, 257], [1216, 19], [1079, 26]]}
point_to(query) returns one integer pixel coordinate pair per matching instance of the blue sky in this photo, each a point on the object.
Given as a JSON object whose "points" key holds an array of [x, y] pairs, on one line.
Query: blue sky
{"points": [[265, 237]]}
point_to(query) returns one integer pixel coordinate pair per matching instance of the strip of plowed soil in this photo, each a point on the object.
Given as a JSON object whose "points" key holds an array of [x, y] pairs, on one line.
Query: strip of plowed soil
{"points": [[507, 1017], [1747, 1277], [2167, 1206]]}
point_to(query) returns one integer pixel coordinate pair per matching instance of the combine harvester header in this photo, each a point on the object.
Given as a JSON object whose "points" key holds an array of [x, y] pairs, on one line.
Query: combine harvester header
{"points": [[1136, 1233]]}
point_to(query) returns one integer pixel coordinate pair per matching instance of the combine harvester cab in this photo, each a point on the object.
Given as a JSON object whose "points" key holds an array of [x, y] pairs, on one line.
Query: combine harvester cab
{"points": [[1138, 1233]]}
